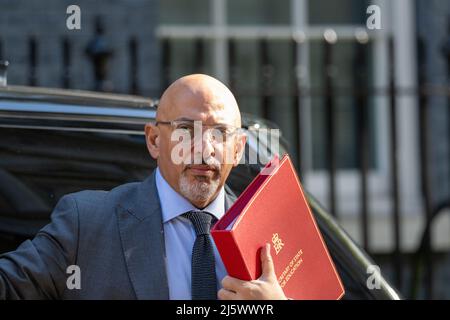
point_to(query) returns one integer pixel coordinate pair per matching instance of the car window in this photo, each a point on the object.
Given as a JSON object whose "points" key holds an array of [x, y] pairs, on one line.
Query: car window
{"points": [[39, 166]]}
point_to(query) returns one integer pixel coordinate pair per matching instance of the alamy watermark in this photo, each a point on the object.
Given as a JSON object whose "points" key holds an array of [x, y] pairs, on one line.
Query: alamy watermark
{"points": [[374, 20], [73, 21], [374, 279], [216, 145], [74, 279]]}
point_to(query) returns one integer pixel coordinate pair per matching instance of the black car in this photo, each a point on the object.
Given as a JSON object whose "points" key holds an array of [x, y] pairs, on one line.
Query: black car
{"points": [[54, 142]]}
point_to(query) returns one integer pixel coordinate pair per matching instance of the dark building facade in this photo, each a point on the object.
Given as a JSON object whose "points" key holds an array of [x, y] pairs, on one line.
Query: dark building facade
{"points": [[43, 51]]}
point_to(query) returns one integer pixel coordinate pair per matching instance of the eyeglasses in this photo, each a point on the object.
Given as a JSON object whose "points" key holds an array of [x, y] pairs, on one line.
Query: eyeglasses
{"points": [[219, 132]]}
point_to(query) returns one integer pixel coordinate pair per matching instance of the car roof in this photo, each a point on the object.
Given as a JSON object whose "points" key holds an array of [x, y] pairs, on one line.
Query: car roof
{"points": [[71, 101], [76, 97]]}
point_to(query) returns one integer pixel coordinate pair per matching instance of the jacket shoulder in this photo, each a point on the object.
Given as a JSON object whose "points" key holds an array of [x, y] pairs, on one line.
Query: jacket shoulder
{"points": [[98, 202]]}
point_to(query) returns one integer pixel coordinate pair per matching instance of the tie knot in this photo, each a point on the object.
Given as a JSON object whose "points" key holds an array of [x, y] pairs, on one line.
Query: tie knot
{"points": [[201, 221]]}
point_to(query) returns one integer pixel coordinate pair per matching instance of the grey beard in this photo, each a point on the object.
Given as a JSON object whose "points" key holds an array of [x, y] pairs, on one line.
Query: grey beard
{"points": [[199, 191]]}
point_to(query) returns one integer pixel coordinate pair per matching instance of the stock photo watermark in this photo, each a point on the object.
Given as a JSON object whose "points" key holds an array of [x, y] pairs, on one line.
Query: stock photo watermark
{"points": [[74, 279], [374, 20], [374, 279], [73, 21], [200, 144]]}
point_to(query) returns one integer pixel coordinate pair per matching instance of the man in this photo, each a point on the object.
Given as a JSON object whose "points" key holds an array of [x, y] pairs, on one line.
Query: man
{"points": [[149, 240]]}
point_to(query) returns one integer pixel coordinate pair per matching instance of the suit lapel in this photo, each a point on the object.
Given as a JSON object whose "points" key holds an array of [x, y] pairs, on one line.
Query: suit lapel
{"points": [[141, 232]]}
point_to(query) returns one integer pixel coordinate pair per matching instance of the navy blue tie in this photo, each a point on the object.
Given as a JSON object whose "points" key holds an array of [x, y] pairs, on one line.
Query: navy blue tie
{"points": [[204, 283]]}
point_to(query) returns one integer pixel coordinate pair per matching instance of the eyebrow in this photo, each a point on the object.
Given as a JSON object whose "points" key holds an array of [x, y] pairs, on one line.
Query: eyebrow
{"points": [[188, 119], [185, 119]]}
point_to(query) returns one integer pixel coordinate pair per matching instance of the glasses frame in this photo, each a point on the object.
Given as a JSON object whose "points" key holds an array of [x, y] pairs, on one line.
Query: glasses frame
{"points": [[175, 123]]}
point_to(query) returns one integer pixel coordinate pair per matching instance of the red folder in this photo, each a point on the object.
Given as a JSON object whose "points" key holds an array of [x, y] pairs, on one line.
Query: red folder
{"points": [[273, 209]]}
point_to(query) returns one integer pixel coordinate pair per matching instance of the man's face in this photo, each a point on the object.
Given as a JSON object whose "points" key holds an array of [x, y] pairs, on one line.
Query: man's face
{"points": [[207, 161]]}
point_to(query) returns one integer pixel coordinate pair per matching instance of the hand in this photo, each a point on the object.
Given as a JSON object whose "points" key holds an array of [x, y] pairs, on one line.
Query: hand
{"points": [[265, 287]]}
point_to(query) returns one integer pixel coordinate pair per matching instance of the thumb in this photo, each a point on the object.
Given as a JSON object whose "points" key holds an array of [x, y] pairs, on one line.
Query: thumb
{"points": [[268, 269]]}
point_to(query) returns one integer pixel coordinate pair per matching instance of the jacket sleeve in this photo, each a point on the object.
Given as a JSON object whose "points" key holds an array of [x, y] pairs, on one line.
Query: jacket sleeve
{"points": [[37, 269]]}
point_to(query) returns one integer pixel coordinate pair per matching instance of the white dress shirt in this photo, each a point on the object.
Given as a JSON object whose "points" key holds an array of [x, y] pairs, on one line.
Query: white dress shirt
{"points": [[179, 237]]}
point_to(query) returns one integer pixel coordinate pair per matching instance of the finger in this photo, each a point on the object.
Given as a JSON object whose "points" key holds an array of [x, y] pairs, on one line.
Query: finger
{"points": [[231, 283], [268, 269], [224, 294]]}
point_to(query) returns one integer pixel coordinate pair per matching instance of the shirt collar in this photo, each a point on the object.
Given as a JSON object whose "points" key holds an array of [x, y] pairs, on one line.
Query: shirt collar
{"points": [[173, 204]]}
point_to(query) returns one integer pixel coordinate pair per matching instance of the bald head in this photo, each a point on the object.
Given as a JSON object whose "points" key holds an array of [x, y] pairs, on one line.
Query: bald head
{"points": [[201, 94]]}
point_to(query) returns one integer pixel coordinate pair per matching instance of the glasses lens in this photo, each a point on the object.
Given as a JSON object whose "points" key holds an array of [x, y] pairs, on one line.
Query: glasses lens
{"points": [[187, 126], [216, 133]]}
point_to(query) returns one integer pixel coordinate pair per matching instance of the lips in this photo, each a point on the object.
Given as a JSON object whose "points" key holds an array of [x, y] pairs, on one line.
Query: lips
{"points": [[202, 169]]}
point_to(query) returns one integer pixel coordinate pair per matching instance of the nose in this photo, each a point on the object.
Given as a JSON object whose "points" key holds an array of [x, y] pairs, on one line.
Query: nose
{"points": [[205, 145], [208, 147]]}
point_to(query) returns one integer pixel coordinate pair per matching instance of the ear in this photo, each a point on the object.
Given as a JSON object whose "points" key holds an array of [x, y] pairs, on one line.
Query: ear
{"points": [[240, 148], [152, 139]]}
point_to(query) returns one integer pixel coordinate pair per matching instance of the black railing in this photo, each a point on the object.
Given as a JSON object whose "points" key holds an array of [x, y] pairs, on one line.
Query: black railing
{"points": [[67, 62], [165, 63], [394, 167], [1, 50], [362, 137], [33, 61], [134, 69], [296, 105], [330, 123]]}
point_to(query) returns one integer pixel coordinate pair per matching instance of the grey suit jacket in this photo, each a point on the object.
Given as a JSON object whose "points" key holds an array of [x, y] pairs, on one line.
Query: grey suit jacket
{"points": [[116, 238]]}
